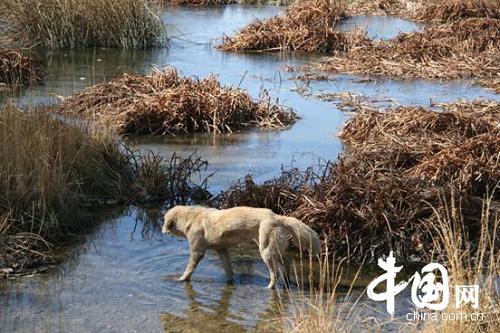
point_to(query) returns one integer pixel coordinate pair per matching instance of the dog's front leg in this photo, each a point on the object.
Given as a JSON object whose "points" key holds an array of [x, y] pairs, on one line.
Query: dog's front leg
{"points": [[197, 254], [226, 263]]}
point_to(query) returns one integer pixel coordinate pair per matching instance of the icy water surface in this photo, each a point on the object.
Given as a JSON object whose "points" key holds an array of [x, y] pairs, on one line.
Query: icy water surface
{"points": [[121, 278]]}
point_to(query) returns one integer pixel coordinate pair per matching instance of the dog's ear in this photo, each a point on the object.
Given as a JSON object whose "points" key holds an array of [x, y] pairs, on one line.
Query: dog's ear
{"points": [[169, 222]]}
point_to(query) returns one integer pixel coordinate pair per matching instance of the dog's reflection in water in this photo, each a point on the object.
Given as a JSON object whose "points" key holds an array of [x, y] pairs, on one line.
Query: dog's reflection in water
{"points": [[217, 318]]}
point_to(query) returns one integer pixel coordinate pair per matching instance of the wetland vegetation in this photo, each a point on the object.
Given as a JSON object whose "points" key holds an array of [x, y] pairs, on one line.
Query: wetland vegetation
{"points": [[165, 102], [69, 24], [420, 181], [55, 174]]}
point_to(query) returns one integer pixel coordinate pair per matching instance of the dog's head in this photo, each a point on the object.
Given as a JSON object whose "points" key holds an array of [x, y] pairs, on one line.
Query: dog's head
{"points": [[172, 220]]}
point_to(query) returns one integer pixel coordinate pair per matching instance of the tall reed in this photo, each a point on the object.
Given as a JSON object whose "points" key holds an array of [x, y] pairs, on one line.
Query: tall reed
{"points": [[323, 309], [469, 264], [48, 169], [70, 24], [53, 175]]}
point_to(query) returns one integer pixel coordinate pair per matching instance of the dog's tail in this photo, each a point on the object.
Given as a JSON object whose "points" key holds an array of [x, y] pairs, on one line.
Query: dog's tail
{"points": [[304, 237]]}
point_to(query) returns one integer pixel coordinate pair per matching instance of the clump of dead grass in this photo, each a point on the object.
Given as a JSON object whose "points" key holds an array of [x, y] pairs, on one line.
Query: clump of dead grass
{"points": [[69, 24], [17, 69], [379, 7], [460, 49], [398, 164], [307, 26], [457, 10], [168, 103], [492, 84], [54, 175]]}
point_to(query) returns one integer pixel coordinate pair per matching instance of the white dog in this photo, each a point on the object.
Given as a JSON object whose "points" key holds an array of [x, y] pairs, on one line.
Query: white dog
{"points": [[207, 228]]}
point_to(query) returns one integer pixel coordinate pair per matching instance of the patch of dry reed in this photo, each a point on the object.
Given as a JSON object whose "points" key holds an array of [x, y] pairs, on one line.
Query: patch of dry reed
{"points": [[54, 175], [492, 84], [379, 7], [168, 103], [457, 10], [69, 24], [196, 3], [460, 49], [399, 163], [307, 26]]}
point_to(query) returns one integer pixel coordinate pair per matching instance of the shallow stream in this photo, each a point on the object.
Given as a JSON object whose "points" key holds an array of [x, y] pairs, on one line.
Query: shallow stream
{"points": [[121, 277]]}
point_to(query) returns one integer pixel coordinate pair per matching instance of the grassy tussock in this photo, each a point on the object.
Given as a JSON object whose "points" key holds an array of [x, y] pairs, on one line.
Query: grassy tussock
{"points": [[379, 7], [70, 24], [167, 103], [307, 26], [460, 49], [53, 175], [321, 307], [411, 155], [17, 69], [428, 10], [457, 10]]}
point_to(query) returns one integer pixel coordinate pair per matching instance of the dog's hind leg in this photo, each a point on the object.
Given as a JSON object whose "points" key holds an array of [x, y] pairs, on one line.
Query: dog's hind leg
{"points": [[273, 243], [271, 265], [264, 249], [226, 263], [268, 251], [197, 253]]}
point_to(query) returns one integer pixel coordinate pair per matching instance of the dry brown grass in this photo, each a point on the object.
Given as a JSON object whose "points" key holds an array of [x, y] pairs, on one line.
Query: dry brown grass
{"points": [[457, 10], [54, 175], [469, 263], [428, 10], [398, 164], [468, 260], [319, 304], [492, 84], [168, 103], [379, 7], [307, 26], [460, 49], [17, 69], [69, 24]]}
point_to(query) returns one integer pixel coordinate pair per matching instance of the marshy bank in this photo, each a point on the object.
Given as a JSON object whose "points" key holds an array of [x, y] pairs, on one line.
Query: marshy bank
{"points": [[463, 42], [307, 26], [54, 175], [400, 170], [427, 10]]}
